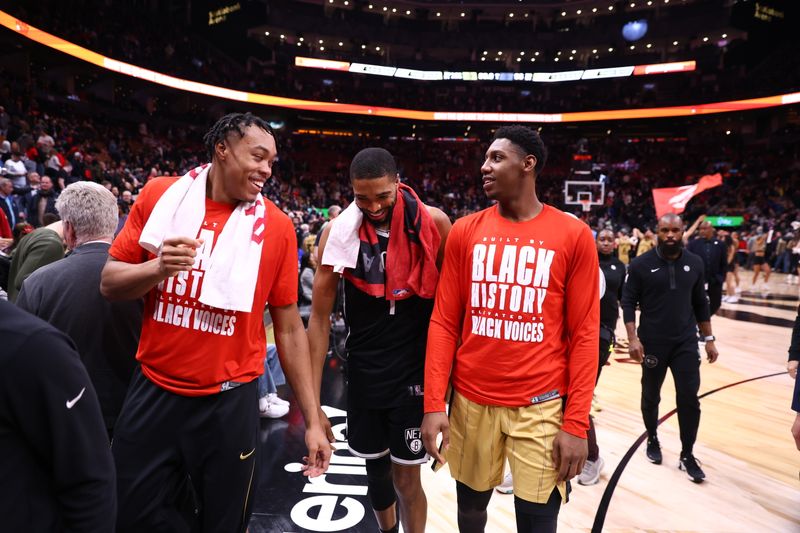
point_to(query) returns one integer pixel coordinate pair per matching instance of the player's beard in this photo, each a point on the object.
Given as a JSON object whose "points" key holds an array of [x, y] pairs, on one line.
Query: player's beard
{"points": [[387, 220], [670, 248]]}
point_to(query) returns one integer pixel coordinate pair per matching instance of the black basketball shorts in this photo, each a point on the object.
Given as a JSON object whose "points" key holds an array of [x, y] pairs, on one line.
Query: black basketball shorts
{"points": [[373, 433]]}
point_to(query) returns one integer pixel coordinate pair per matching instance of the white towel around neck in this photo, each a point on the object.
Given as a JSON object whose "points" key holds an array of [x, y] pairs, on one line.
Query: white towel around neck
{"points": [[343, 244], [231, 272]]}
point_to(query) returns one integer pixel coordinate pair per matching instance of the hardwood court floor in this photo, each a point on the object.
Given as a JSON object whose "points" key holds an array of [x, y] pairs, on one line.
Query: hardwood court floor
{"points": [[744, 444]]}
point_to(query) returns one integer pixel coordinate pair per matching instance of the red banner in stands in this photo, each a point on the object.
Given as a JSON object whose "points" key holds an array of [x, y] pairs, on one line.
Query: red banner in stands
{"points": [[674, 199]]}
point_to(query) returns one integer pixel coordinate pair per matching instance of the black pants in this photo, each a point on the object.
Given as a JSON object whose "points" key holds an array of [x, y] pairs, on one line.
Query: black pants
{"points": [[168, 446], [684, 361], [605, 354], [714, 292]]}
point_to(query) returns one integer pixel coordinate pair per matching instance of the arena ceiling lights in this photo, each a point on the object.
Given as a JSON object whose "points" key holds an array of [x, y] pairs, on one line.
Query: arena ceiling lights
{"points": [[120, 67], [536, 77]]}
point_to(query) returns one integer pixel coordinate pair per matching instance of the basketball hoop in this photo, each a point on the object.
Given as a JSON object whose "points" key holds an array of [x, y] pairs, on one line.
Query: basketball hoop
{"points": [[586, 204]]}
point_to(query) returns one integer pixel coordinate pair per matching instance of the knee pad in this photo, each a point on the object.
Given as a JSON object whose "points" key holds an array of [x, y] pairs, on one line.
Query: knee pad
{"points": [[379, 480]]}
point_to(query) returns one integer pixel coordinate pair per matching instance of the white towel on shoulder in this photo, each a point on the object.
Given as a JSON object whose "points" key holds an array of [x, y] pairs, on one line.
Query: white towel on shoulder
{"points": [[231, 272], [343, 244]]}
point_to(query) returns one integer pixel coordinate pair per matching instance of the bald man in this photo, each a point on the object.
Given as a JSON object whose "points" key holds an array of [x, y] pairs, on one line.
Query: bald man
{"points": [[714, 253], [668, 286]]}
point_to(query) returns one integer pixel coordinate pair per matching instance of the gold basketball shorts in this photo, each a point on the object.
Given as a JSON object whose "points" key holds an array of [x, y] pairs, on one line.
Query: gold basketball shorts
{"points": [[483, 436]]}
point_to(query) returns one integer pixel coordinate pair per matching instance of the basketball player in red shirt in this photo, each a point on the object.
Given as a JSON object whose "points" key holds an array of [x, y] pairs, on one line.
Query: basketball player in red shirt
{"points": [[514, 330], [192, 407]]}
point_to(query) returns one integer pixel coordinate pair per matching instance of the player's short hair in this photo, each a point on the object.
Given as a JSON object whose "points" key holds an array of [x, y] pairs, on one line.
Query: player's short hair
{"points": [[528, 140], [372, 163]]}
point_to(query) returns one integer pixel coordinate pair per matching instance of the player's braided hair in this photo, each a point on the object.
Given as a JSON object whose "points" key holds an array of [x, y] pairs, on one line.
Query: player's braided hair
{"points": [[233, 122]]}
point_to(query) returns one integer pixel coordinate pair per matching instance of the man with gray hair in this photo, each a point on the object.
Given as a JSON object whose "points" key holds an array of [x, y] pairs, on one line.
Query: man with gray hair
{"points": [[66, 294]]}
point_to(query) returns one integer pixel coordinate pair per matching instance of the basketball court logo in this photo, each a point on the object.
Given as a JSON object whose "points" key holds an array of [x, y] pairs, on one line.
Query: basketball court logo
{"points": [[414, 439]]}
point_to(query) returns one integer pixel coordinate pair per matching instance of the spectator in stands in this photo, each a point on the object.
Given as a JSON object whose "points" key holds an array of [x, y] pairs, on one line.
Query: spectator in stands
{"points": [[43, 202], [57, 473], [66, 294], [19, 231], [9, 204], [126, 197], [647, 241], [624, 246], [5, 231], [5, 121], [333, 212], [14, 169], [45, 142], [27, 193], [308, 266], [270, 405], [308, 239], [41, 247]]}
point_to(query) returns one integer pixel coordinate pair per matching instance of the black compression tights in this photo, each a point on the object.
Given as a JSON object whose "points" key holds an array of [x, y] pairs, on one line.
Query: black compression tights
{"points": [[531, 517], [538, 517], [471, 508]]}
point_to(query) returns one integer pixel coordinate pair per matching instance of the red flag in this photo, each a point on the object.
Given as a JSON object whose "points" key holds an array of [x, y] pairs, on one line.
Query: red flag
{"points": [[674, 199]]}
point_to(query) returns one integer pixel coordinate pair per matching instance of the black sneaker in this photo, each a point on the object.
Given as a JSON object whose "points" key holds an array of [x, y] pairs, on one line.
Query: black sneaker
{"points": [[690, 465], [653, 450]]}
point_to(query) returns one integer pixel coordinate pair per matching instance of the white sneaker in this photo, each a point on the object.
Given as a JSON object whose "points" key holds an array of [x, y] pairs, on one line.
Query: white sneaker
{"points": [[590, 474], [733, 299], [507, 486], [267, 409], [273, 397]]}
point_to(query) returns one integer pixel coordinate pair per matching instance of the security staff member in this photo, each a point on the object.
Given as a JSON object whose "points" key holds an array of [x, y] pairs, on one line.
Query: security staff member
{"points": [[614, 275], [667, 285], [714, 254]]}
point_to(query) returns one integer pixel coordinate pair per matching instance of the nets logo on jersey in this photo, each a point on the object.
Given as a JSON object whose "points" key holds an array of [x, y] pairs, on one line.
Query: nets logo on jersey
{"points": [[414, 439], [650, 361]]}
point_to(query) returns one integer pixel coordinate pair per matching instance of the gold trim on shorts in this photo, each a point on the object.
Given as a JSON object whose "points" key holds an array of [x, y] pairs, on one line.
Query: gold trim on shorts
{"points": [[483, 436]]}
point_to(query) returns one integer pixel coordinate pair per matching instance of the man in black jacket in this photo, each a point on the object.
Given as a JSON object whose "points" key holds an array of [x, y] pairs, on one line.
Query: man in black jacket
{"points": [[44, 201], [56, 473], [714, 254], [66, 294], [667, 284]]}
